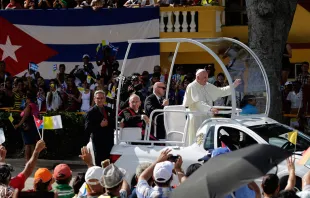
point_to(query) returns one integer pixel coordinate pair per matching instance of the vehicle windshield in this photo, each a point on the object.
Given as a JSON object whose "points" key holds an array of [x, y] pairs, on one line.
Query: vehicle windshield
{"points": [[277, 134]]}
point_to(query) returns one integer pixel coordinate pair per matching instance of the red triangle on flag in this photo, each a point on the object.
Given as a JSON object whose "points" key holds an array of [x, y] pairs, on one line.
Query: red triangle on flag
{"points": [[17, 48]]}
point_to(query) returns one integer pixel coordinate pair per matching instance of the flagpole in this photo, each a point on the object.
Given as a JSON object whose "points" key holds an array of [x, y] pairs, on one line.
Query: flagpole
{"points": [[37, 128], [43, 129]]}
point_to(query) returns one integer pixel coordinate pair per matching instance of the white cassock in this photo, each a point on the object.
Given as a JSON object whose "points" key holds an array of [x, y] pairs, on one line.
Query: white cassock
{"points": [[200, 98]]}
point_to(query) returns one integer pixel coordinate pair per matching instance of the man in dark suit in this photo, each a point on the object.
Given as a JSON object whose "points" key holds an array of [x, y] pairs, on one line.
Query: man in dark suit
{"points": [[156, 101], [100, 124]]}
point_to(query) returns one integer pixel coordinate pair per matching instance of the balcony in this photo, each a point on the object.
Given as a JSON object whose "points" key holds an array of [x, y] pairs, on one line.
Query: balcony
{"points": [[200, 22]]}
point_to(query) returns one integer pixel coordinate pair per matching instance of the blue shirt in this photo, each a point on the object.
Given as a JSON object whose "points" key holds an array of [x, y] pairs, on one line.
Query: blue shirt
{"points": [[249, 109], [143, 190], [243, 192]]}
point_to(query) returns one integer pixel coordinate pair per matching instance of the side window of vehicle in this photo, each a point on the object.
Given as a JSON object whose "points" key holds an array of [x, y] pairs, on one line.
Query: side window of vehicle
{"points": [[234, 138], [209, 140]]}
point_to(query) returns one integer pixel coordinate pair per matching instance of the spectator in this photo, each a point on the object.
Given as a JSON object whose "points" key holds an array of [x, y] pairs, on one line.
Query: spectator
{"points": [[86, 97], [288, 194], [86, 4], [97, 4], [43, 180], [73, 99], [270, 183], [248, 105], [140, 168], [92, 183], [62, 77], [45, 4], [6, 94], [155, 78], [181, 91], [29, 130], [114, 182], [58, 4], [78, 183], [295, 97], [18, 94], [157, 69], [53, 97], [286, 64], [210, 69], [29, 4], [41, 100], [13, 5], [5, 176], [304, 76], [161, 170], [18, 182], [305, 193], [63, 176], [4, 76]]}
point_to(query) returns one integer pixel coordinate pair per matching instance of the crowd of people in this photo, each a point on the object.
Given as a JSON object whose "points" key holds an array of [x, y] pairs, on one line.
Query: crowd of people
{"points": [[151, 179], [99, 4]]}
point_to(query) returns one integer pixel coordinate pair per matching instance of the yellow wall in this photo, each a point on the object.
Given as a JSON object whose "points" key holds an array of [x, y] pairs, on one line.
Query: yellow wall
{"points": [[299, 31], [190, 54]]}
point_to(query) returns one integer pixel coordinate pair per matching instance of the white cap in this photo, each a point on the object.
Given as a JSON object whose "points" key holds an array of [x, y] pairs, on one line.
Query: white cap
{"points": [[94, 172], [163, 171], [85, 56], [288, 83], [199, 71]]}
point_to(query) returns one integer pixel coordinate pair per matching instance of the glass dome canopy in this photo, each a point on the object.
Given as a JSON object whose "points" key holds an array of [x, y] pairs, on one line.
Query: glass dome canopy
{"points": [[242, 63]]}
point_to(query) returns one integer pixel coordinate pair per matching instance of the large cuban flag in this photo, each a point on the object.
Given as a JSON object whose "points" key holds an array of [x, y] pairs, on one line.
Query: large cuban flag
{"points": [[53, 37]]}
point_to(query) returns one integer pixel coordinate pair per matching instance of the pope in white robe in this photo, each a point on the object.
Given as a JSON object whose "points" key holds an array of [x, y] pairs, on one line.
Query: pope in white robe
{"points": [[199, 97]]}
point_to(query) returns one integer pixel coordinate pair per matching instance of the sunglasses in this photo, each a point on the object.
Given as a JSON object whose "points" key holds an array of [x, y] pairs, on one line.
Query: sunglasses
{"points": [[164, 88]]}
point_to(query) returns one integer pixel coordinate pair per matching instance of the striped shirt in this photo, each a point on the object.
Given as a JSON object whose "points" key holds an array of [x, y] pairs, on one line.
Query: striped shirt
{"points": [[64, 191], [145, 191], [17, 100]]}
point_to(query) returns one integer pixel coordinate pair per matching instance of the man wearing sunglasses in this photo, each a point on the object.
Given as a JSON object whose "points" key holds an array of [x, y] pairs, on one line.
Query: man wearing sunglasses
{"points": [[156, 101]]}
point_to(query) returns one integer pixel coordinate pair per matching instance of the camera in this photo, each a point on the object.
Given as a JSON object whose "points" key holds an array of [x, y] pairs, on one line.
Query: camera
{"points": [[173, 158]]}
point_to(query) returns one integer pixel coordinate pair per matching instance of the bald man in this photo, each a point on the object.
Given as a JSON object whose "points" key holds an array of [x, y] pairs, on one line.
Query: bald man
{"points": [[156, 101], [199, 96]]}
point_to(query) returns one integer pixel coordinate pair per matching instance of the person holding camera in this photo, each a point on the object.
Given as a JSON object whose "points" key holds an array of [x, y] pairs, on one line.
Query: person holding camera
{"points": [[162, 171], [58, 4]]}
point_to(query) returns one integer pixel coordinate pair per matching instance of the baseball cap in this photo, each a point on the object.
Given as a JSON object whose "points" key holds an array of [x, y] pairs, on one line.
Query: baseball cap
{"points": [[62, 171], [163, 171], [219, 151], [42, 174], [94, 172], [85, 56], [5, 171]]}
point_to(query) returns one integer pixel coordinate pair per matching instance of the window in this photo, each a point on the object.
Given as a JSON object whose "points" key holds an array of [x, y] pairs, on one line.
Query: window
{"points": [[209, 141], [275, 134], [234, 138]]}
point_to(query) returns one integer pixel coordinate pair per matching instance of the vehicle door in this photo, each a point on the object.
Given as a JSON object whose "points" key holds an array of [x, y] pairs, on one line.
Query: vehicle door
{"points": [[235, 136]]}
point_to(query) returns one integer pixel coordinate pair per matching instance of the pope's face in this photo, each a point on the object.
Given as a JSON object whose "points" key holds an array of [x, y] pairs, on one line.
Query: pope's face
{"points": [[202, 78]]}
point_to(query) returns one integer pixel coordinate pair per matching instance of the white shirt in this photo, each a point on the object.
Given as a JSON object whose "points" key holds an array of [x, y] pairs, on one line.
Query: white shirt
{"points": [[296, 99], [56, 101]]}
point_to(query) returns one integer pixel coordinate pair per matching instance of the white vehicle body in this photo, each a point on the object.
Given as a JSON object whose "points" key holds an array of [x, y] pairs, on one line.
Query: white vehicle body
{"points": [[128, 156]]}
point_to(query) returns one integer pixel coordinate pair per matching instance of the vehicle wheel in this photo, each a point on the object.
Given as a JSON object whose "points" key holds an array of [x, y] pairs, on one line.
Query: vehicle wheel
{"points": [[283, 183]]}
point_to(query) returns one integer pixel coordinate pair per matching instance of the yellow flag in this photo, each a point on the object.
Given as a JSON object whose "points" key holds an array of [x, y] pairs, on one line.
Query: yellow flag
{"points": [[292, 137], [11, 118], [104, 43], [52, 122]]}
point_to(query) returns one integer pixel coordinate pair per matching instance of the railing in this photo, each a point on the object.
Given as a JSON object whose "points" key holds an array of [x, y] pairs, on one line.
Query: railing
{"points": [[192, 19]]}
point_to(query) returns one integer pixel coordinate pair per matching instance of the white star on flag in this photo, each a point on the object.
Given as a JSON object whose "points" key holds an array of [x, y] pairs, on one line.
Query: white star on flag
{"points": [[9, 49]]}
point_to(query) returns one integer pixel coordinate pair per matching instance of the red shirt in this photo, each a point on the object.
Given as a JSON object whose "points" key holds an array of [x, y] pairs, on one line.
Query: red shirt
{"points": [[15, 6], [18, 182]]}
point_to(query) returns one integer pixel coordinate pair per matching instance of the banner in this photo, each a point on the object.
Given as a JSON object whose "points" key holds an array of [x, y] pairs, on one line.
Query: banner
{"points": [[54, 37]]}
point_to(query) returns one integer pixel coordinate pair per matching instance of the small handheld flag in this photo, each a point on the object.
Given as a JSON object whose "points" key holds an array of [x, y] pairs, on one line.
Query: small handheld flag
{"points": [[292, 137], [11, 118], [89, 79], [34, 67], [38, 122], [54, 68], [52, 122]]}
